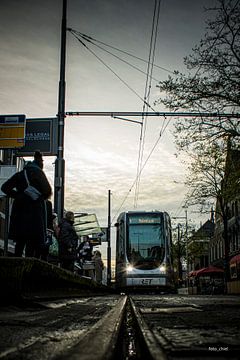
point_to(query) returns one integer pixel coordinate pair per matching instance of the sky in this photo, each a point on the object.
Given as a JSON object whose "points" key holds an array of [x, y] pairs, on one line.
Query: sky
{"points": [[101, 153]]}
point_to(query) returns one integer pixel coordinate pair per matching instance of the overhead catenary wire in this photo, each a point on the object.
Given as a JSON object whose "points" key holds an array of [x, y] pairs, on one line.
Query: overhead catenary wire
{"points": [[90, 38], [110, 69], [142, 99], [163, 129], [143, 128], [109, 52], [147, 92]]}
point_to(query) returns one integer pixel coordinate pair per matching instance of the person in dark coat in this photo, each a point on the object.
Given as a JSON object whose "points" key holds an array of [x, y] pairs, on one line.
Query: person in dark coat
{"points": [[85, 255], [85, 249], [68, 242], [99, 266], [28, 217]]}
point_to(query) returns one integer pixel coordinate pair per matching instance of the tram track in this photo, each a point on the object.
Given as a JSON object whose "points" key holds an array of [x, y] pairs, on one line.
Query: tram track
{"points": [[120, 327], [62, 329], [175, 327]]}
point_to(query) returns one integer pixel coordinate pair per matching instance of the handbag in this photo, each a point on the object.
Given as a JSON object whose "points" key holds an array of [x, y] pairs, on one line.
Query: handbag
{"points": [[30, 190]]}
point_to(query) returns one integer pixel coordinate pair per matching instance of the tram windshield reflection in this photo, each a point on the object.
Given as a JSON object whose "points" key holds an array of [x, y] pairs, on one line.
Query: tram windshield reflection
{"points": [[145, 242]]}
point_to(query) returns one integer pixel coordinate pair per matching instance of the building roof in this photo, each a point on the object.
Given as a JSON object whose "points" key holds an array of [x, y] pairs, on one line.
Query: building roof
{"points": [[205, 231]]}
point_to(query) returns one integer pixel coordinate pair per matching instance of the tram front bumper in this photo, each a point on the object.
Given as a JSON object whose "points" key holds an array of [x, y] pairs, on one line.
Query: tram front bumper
{"points": [[146, 281]]}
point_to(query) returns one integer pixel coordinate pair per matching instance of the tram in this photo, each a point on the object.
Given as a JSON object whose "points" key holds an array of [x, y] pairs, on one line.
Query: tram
{"points": [[144, 251]]}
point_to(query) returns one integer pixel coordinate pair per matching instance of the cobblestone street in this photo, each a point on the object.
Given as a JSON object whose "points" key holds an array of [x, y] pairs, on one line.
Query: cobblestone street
{"points": [[183, 327], [200, 325]]}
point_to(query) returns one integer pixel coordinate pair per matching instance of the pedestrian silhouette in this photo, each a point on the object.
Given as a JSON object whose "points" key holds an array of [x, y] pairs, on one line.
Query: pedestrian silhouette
{"points": [[99, 266], [85, 256], [28, 216], [68, 242], [85, 249]]}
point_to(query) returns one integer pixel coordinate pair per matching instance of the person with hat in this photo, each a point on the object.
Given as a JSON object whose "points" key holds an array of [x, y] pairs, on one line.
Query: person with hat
{"points": [[28, 215]]}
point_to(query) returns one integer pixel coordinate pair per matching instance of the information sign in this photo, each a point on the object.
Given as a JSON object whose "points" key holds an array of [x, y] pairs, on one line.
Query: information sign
{"points": [[12, 131], [40, 134]]}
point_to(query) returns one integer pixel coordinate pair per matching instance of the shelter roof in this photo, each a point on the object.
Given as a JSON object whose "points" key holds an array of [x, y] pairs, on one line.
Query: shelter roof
{"points": [[205, 271]]}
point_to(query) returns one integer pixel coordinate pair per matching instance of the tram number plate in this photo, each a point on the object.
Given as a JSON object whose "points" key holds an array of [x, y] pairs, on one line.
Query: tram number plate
{"points": [[146, 281]]}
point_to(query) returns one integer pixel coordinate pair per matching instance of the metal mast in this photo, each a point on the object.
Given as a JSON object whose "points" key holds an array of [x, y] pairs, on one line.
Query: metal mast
{"points": [[109, 256], [60, 162]]}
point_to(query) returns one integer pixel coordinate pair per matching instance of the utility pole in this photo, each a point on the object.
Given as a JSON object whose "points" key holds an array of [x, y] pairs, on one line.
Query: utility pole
{"points": [[60, 162], [109, 241], [179, 255], [186, 237], [186, 240], [8, 159]]}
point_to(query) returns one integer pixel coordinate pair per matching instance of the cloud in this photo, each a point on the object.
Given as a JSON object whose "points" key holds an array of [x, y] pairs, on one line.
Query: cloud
{"points": [[93, 170]]}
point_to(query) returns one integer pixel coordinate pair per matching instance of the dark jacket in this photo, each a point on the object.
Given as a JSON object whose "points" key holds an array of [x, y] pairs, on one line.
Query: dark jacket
{"points": [[28, 217], [68, 241], [85, 250], [50, 216]]}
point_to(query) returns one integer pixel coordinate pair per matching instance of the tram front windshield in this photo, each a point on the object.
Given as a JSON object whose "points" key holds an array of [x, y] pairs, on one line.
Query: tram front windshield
{"points": [[145, 241]]}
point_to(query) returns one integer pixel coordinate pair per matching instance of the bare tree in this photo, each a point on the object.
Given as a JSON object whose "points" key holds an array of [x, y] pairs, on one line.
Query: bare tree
{"points": [[214, 176], [206, 174], [212, 82]]}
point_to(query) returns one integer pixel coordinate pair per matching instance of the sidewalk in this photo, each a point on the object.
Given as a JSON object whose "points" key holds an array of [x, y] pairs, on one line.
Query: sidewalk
{"points": [[22, 278]]}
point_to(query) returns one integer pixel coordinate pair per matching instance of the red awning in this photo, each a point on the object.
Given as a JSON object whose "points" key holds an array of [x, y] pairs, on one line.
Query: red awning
{"points": [[235, 259], [208, 270], [192, 273]]}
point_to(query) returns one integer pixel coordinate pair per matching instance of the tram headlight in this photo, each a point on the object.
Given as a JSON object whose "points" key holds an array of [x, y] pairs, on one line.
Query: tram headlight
{"points": [[162, 268], [129, 268]]}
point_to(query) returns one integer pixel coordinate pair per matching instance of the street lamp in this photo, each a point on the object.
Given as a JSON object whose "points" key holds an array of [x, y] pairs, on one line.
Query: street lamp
{"points": [[109, 255]]}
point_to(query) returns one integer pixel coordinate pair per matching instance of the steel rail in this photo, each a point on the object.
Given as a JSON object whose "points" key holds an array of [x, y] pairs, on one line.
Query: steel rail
{"points": [[100, 341], [146, 337]]}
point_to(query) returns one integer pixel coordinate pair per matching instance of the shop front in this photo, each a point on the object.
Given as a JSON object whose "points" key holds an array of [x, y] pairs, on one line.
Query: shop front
{"points": [[206, 281]]}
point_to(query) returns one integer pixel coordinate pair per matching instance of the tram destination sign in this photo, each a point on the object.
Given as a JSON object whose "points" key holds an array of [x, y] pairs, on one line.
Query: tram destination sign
{"points": [[40, 134], [146, 219]]}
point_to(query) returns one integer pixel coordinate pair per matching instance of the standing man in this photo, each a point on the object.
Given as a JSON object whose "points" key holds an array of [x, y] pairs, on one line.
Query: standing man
{"points": [[68, 242], [28, 216]]}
